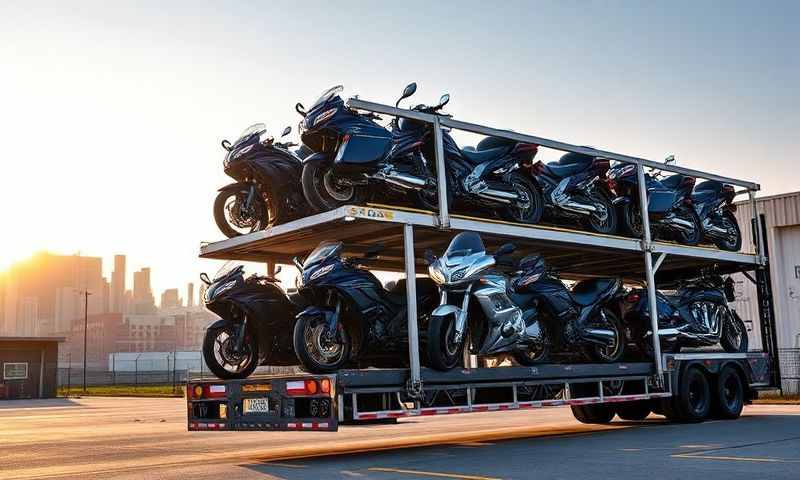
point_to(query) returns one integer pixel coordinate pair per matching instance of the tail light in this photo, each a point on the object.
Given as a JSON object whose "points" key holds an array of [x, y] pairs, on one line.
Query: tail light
{"points": [[325, 385], [632, 297], [602, 164], [308, 386], [208, 391], [612, 185], [537, 168]]}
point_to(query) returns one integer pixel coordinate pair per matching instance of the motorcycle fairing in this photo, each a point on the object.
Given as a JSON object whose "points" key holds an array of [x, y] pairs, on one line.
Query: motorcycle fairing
{"points": [[360, 150]]}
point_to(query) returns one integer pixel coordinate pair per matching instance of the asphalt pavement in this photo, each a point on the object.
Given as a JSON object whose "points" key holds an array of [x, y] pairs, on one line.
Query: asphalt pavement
{"points": [[129, 438]]}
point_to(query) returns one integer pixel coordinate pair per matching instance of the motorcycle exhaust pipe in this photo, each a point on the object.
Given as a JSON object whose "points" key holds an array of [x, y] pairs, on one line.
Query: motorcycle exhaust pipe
{"points": [[403, 180], [577, 207], [678, 223], [498, 195], [600, 335]]}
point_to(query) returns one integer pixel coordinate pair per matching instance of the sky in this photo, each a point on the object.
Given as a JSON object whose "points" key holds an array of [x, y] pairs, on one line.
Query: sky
{"points": [[111, 113]]}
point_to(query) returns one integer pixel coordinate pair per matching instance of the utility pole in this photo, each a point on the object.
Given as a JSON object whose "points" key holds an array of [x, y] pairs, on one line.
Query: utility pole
{"points": [[85, 328]]}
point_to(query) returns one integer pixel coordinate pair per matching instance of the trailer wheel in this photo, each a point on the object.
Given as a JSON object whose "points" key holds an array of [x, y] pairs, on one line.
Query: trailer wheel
{"points": [[595, 413], [729, 394], [693, 401], [633, 411]]}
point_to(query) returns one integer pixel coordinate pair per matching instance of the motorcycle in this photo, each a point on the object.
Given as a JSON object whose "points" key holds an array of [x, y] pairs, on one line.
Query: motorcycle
{"points": [[669, 200], [405, 158], [267, 174], [697, 315], [352, 318], [507, 317], [575, 188], [256, 322], [713, 202]]}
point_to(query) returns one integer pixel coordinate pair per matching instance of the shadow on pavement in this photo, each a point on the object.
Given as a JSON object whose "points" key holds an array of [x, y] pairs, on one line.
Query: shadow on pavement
{"points": [[38, 403]]}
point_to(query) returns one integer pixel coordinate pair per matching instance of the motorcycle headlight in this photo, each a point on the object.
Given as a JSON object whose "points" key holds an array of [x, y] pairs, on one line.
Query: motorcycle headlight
{"points": [[322, 271], [436, 275]]}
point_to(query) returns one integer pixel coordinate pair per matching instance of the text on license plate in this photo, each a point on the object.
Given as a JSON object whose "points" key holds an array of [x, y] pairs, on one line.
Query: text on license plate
{"points": [[256, 405]]}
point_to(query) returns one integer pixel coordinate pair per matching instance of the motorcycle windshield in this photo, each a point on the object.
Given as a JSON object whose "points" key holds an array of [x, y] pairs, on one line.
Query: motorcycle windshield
{"points": [[323, 251], [326, 95], [254, 129], [464, 244], [229, 268]]}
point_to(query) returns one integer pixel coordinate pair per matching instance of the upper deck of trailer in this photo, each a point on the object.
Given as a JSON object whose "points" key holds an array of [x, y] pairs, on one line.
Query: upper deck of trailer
{"points": [[572, 252]]}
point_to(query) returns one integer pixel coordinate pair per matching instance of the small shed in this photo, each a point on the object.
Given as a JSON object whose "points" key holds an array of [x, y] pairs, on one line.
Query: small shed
{"points": [[28, 367]]}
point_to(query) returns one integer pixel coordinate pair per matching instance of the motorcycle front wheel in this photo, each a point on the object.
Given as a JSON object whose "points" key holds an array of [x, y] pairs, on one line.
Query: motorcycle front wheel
{"points": [[325, 192], [610, 353], [734, 334], [531, 203], [605, 219], [318, 349], [443, 352], [221, 356], [234, 219]]}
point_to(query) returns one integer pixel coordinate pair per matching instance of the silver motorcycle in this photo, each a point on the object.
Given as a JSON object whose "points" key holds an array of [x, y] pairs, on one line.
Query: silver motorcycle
{"points": [[492, 324]]}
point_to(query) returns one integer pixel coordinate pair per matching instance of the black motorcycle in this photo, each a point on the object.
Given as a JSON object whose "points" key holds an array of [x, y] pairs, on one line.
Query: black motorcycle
{"points": [[696, 315], [355, 151], [575, 188], [713, 202], [583, 316], [352, 318], [669, 200], [255, 328], [267, 178]]}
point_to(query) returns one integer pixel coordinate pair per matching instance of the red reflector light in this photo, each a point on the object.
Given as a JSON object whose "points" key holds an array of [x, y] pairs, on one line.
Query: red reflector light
{"points": [[632, 298], [311, 387], [325, 385], [213, 391]]}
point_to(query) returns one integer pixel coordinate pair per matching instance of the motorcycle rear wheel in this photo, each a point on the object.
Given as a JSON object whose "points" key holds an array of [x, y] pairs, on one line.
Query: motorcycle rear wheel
{"points": [[730, 223], [324, 193], [227, 211], [632, 220], [536, 354], [734, 334], [696, 235], [615, 352], [530, 214], [607, 226]]}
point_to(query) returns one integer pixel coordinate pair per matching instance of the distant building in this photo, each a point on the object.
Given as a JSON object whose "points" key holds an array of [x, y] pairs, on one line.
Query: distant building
{"points": [[118, 304], [190, 295], [143, 300], [170, 298]]}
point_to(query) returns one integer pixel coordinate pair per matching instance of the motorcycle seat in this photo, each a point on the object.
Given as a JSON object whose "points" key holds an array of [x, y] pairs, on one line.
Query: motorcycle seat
{"points": [[557, 170], [709, 186], [587, 292], [476, 157], [495, 142], [673, 181]]}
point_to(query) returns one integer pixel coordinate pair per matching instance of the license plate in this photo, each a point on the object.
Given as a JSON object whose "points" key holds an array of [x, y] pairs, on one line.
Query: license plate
{"points": [[256, 405]]}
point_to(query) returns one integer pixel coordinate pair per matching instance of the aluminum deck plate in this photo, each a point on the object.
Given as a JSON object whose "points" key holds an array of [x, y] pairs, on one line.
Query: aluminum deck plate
{"points": [[576, 254]]}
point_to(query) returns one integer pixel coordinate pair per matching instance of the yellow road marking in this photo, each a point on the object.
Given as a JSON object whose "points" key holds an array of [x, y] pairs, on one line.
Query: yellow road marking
{"points": [[739, 459], [430, 474]]}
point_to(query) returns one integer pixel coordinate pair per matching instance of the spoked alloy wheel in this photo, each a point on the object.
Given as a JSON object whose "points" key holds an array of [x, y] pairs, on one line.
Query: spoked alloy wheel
{"points": [[732, 242], [537, 351], [443, 350], [610, 353], [529, 207], [604, 220], [222, 356], [318, 348], [234, 218], [325, 191]]}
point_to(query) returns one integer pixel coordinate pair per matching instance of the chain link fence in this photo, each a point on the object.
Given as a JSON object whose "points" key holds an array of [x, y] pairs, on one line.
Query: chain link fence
{"points": [[790, 370]]}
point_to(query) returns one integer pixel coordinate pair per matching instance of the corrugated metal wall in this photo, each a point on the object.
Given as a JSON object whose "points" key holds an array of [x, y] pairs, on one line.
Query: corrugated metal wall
{"points": [[782, 217]]}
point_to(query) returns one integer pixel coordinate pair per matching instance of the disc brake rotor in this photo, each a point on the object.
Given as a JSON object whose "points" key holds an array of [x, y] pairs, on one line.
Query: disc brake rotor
{"points": [[339, 192]]}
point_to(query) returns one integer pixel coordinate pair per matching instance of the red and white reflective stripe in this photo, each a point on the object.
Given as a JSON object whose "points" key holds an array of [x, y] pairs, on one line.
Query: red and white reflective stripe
{"points": [[216, 388], [296, 387], [206, 426], [493, 407], [307, 425]]}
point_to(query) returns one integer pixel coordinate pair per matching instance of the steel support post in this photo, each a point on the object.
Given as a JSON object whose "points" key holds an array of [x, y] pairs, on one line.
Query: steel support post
{"points": [[441, 176], [651, 278], [757, 234], [415, 382]]}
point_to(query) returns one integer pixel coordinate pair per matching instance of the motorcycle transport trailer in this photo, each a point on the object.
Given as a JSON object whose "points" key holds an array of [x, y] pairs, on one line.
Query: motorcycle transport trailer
{"points": [[682, 386]]}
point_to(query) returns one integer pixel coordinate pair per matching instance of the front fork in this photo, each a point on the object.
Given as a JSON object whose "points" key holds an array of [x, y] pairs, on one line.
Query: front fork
{"points": [[461, 318], [240, 336], [248, 203]]}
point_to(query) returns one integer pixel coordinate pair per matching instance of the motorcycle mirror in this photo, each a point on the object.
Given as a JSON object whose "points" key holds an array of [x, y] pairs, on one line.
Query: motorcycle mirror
{"points": [[286, 131], [407, 92], [205, 279], [226, 145], [443, 100], [299, 108], [277, 270], [298, 263], [429, 256], [670, 159], [505, 249]]}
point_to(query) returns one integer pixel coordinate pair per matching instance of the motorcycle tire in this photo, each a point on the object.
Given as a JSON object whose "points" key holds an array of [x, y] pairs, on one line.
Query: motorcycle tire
{"points": [[210, 341], [736, 245], [631, 220], [429, 201], [597, 353], [308, 359], [532, 214], [441, 354], [525, 358], [322, 194], [695, 237], [609, 226], [727, 341], [224, 225]]}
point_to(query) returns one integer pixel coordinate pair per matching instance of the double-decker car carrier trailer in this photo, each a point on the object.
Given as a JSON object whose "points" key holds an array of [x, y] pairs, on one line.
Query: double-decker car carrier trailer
{"points": [[671, 384]]}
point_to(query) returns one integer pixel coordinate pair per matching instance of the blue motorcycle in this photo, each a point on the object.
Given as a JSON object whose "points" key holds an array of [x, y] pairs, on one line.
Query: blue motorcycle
{"points": [[713, 202]]}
